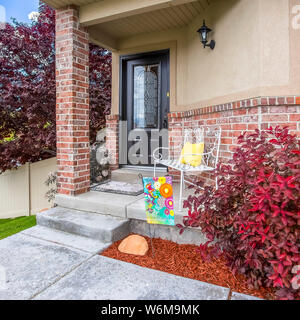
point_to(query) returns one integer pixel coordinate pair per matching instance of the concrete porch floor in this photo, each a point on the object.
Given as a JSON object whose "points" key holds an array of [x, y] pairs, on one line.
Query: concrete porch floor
{"points": [[133, 208], [118, 205]]}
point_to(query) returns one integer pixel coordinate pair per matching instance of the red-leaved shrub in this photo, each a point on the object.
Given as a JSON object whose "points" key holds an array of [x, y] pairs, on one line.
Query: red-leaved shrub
{"points": [[253, 219]]}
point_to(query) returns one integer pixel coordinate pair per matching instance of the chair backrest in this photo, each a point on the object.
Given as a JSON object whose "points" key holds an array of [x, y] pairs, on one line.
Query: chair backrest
{"points": [[193, 135], [211, 136]]}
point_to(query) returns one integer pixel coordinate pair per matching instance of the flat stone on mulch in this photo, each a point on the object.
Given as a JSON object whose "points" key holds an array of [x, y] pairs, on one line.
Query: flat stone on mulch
{"points": [[109, 279], [134, 244]]}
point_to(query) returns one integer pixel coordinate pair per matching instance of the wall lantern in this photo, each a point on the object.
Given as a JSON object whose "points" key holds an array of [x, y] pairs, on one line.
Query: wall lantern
{"points": [[203, 32]]}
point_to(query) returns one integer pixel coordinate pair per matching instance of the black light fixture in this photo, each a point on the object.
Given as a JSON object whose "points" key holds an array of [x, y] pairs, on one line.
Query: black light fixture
{"points": [[203, 32]]}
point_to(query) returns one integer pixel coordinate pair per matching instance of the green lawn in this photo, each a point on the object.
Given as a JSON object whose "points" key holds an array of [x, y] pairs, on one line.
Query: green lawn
{"points": [[9, 227]]}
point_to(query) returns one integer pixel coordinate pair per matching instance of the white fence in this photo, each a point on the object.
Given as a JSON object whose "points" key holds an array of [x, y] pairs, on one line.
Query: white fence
{"points": [[22, 190]]}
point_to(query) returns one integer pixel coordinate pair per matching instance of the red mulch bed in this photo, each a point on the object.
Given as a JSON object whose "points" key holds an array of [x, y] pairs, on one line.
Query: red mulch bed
{"points": [[183, 260]]}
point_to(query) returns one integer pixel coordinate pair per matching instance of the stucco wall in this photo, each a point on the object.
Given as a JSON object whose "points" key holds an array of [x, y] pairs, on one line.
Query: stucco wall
{"points": [[255, 54], [252, 51]]}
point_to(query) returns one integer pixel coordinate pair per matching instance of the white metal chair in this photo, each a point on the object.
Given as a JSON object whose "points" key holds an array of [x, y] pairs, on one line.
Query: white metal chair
{"points": [[211, 136]]}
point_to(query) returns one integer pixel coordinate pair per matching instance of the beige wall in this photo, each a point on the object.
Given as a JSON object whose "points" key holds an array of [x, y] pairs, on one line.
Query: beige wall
{"points": [[22, 191], [256, 54], [294, 21], [14, 193], [251, 54]]}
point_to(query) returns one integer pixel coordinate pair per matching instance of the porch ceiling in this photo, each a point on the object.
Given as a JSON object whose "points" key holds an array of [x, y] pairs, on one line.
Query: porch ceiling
{"points": [[108, 33], [111, 20], [157, 20]]}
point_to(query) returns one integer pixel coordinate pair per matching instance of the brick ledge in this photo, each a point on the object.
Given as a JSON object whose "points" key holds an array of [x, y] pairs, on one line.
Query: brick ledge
{"points": [[246, 103]]}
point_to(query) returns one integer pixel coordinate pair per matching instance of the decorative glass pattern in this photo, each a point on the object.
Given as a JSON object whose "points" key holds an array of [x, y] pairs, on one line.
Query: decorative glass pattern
{"points": [[145, 99]]}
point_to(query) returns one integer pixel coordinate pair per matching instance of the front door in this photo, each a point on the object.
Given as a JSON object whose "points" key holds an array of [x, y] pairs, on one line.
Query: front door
{"points": [[144, 106]]}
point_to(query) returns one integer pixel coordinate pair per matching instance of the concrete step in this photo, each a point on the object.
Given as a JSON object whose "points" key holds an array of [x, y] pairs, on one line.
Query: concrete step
{"points": [[133, 208], [104, 203], [87, 224], [129, 175], [66, 239]]}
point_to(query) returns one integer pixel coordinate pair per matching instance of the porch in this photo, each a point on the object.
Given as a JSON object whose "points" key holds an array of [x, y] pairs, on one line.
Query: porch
{"points": [[109, 24], [251, 99], [195, 86]]}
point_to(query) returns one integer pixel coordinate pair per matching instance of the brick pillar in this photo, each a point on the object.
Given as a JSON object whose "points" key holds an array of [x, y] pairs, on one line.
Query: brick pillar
{"points": [[72, 103], [112, 140], [175, 139]]}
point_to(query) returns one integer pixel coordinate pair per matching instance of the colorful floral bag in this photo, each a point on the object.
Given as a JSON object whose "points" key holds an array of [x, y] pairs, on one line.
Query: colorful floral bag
{"points": [[159, 200]]}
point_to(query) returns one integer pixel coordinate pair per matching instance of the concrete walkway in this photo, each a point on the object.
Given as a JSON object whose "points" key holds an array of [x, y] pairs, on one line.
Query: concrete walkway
{"points": [[40, 265]]}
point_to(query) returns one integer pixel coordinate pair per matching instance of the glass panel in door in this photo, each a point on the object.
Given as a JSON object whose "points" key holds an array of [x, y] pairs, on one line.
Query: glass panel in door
{"points": [[145, 96]]}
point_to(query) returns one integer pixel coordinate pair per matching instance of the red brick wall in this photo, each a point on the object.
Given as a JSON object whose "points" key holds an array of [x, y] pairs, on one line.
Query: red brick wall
{"points": [[112, 140], [72, 103], [235, 118]]}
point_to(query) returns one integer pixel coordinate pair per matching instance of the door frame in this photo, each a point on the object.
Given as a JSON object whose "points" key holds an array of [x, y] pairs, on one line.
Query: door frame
{"points": [[122, 87]]}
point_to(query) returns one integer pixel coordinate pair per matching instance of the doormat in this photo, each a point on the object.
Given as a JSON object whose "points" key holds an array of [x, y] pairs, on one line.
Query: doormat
{"points": [[130, 189]]}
